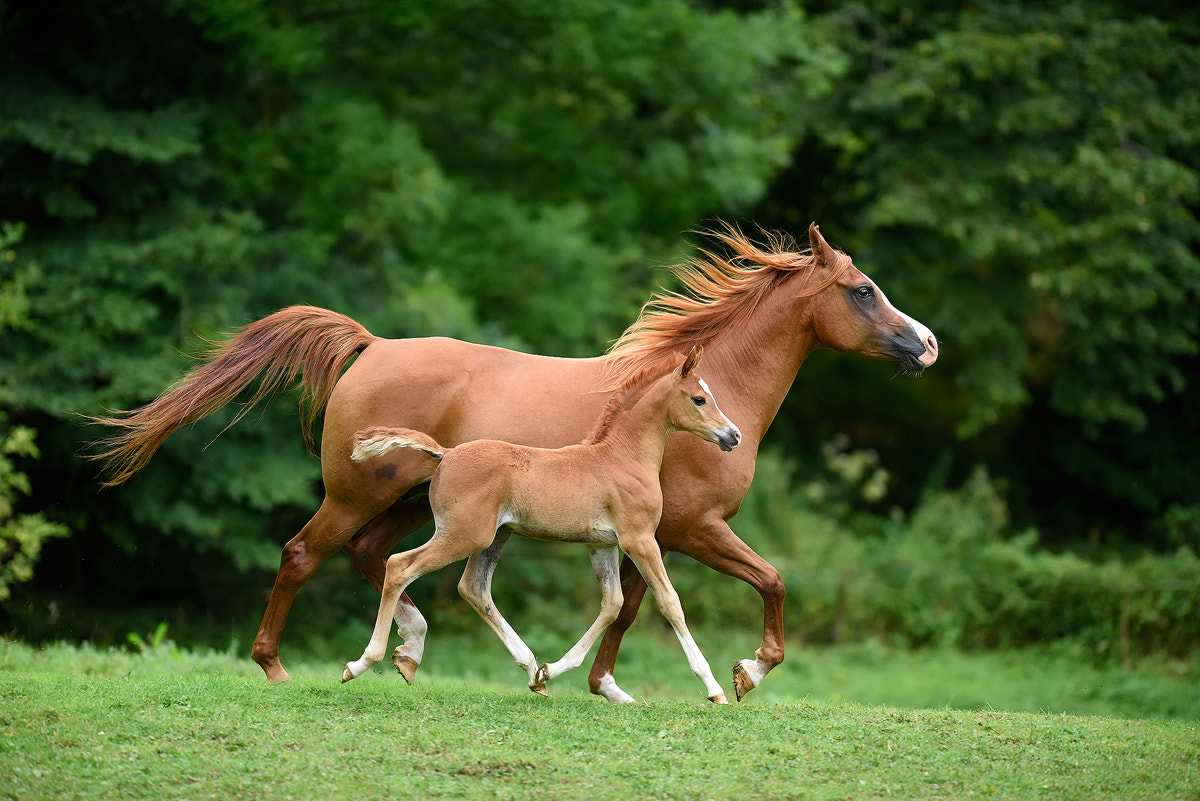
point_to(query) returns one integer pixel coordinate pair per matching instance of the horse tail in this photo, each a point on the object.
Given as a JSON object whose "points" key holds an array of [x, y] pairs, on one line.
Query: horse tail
{"points": [[312, 343], [372, 442]]}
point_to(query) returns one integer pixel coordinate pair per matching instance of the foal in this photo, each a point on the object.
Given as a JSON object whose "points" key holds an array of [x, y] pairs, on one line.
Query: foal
{"points": [[603, 493]]}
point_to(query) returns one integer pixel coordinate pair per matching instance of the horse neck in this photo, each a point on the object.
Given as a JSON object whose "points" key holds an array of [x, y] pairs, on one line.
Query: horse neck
{"points": [[755, 366]]}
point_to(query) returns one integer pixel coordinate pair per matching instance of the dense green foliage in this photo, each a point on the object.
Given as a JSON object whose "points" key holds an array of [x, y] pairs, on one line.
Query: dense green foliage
{"points": [[1021, 177], [21, 535], [952, 572]]}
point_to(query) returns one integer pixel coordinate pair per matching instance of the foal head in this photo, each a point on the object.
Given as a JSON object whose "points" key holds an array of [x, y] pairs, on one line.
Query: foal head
{"points": [[692, 408], [851, 314]]}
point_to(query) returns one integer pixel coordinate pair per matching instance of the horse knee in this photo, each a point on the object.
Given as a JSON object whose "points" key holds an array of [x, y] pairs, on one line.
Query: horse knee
{"points": [[296, 562]]}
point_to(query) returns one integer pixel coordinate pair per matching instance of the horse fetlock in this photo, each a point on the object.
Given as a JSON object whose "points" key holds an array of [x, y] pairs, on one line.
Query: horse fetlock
{"points": [[356, 668], [607, 689]]}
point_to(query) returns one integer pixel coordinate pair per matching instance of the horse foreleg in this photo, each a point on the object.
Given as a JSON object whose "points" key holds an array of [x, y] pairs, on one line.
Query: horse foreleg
{"points": [[601, 679], [646, 555], [716, 546], [320, 538], [476, 587], [606, 566]]}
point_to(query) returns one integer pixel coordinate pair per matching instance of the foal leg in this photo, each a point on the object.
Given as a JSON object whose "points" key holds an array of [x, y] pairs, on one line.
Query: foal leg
{"points": [[713, 544], [402, 570], [600, 679], [476, 587], [716, 546], [368, 550], [645, 554], [606, 566]]}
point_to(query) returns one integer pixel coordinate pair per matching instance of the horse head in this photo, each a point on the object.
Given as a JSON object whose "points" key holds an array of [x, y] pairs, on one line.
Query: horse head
{"points": [[852, 314], [693, 408]]}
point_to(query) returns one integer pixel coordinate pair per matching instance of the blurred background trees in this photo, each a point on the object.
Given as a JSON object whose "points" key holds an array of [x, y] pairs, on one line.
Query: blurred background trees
{"points": [[1020, 177]]}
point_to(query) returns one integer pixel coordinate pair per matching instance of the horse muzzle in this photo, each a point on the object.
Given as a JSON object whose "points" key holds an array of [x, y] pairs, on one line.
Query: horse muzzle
{"points": [[728, 439]]}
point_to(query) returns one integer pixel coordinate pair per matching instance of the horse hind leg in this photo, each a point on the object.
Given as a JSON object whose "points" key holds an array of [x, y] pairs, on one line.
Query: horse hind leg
{"points": [[606, 566], [320, 538]]}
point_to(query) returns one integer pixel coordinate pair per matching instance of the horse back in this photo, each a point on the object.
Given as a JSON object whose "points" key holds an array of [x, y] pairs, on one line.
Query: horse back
{"points": [[458, 392]]}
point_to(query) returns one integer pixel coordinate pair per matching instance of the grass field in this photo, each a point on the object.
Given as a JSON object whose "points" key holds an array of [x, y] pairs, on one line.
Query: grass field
{"points": [[77, 722]]}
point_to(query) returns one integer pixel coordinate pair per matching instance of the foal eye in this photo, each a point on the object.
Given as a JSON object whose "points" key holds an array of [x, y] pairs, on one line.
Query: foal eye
{"points": [[699, 400]]}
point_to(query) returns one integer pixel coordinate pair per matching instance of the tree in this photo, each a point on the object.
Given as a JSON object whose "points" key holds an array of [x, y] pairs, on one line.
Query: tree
{"points": [[1029, 174], [21, 535], [187, 167]]}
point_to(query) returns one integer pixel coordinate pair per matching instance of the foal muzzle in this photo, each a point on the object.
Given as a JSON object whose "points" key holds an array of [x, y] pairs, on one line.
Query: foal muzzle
{"points": [[728, 439]]}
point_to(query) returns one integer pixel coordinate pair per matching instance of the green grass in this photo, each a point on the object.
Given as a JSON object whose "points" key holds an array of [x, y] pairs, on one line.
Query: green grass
{"points": [[78, 723]]}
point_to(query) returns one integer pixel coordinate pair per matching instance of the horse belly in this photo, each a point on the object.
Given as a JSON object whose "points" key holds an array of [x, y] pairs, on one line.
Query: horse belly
{"points": [[560, 526]]}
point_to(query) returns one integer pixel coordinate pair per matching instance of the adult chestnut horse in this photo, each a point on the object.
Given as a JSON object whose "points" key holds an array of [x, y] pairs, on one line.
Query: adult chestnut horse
{"points": [[758, 312]]}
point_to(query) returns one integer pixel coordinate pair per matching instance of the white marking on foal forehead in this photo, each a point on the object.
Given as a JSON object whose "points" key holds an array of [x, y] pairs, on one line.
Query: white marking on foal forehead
{"points": [[704, 386], [919, 328]]}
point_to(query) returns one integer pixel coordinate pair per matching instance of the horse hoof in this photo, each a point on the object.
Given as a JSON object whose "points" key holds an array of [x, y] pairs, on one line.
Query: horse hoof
{"points": [[540, 689], [743, 681], [406, 666], [346, 674], [719, 698], [542, 676]]}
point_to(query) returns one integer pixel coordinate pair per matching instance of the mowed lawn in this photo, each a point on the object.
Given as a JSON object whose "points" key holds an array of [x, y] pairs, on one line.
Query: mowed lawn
{"points": [[82, 723]]}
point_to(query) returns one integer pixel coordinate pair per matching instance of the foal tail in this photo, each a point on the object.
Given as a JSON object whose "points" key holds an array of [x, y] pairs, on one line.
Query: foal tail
{"points": [[373, 442], [312, 343]]}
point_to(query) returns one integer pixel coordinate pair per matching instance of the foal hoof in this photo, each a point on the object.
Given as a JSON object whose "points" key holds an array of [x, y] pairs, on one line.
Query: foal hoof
{"points": [[346, 674], [719, 698], [406, 666], [540, 689], [542, 676], [743, 680]]}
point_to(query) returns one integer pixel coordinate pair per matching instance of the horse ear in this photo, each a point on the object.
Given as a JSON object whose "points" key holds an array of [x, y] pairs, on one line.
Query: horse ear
{"points": [[821, 250], [691, 361]]}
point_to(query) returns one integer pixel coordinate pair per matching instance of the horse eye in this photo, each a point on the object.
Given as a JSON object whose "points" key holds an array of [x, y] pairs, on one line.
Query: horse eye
{"points": [[699, 400], [865, 292]]}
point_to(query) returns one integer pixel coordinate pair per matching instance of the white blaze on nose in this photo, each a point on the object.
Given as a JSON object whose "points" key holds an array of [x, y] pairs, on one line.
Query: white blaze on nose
{"points": [[713, 400], [920, 329]]}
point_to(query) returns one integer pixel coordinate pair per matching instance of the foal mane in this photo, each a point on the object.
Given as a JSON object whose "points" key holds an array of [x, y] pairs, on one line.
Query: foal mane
{"points": [[718, 294], [627, 394]]}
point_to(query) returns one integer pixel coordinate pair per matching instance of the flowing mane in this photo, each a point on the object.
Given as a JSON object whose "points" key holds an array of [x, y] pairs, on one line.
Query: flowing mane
{"points": [[718, 293]]}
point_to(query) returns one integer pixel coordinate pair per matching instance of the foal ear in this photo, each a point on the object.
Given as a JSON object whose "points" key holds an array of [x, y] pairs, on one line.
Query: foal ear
{"points": [[691, 361], [821, 250]]}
